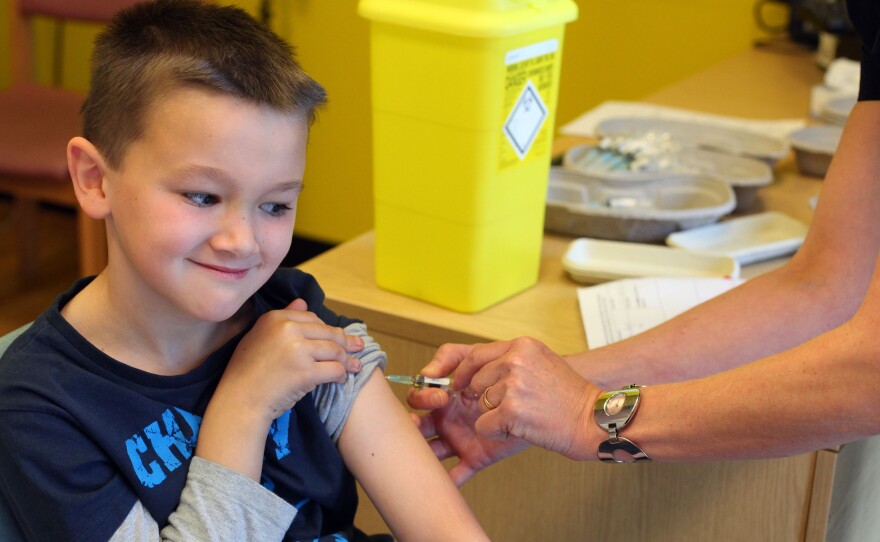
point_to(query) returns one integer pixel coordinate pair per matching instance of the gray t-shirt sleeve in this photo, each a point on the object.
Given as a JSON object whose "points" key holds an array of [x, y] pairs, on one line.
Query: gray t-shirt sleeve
{"points": [[333, 400], [216, 504]]}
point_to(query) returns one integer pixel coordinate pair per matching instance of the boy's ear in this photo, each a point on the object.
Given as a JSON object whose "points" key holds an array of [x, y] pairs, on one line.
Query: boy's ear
{"points": [[87, 170]]}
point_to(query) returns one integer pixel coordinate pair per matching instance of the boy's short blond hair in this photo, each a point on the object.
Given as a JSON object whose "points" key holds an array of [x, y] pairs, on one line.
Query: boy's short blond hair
{"points": [[154, 47]]}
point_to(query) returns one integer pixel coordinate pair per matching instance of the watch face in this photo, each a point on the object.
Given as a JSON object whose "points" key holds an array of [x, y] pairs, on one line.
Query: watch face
{"points": [[615, 403]]}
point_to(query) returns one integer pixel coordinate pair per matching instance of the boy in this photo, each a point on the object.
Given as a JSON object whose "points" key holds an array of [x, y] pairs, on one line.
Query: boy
{"points": [[192, 390]]}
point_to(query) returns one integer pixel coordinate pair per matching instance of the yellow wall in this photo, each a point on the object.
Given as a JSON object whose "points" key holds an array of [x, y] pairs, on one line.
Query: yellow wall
{"points": [[627, 49], [332, 45], [615, 50]]}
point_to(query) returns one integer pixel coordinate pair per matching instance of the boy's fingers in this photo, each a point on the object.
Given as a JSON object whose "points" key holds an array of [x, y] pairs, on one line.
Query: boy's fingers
{"points": [[297, 312], [329, 371], [298, 304], [353, 343], [354, 365], [318, 331], [300, 316], [320, 350]]}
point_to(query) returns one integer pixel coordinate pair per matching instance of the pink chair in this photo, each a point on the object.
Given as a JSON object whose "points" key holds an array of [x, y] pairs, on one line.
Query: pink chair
{"points": [[36, 122]]}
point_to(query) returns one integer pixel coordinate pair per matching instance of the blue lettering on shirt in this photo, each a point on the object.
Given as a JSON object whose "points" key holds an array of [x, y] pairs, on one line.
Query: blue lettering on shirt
{"points": [[337, 537], [279, 432], [172, 436], [163, 439], [152, 453], [135, 446]]}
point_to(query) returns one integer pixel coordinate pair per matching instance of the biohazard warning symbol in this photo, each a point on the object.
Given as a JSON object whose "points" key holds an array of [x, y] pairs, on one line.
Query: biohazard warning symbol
{"points": [[525, 120]]}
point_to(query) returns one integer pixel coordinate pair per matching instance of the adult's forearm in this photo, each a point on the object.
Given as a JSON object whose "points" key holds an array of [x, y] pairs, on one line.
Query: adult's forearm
{"points": [[818, 290], [763, 316], [820, 394]]}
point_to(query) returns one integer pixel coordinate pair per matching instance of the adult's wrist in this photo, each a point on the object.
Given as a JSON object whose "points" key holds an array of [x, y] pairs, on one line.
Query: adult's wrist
{"points": [[592, 368], [607, 369], [591, 435]]}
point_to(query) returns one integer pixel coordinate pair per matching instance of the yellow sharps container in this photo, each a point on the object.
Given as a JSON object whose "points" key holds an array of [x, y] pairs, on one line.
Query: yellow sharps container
{"points": [[463, 95]]}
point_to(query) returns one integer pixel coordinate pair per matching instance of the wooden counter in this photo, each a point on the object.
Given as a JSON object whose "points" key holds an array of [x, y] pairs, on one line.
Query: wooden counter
{"points": [[538, 495]]}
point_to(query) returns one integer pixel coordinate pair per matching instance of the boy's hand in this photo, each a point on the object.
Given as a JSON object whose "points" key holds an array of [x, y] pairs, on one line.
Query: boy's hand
{"points": [[286, 354]]}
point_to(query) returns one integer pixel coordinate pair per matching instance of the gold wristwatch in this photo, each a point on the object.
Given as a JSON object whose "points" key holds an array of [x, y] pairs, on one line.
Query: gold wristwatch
{"points": [[613, 410]]}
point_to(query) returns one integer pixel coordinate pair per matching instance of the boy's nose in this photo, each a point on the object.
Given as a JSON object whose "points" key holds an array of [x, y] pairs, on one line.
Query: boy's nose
{"points": [[236, 235]]}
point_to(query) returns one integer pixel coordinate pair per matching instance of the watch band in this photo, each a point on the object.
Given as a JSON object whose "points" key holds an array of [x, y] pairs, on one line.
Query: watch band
{"points": [[612, 411], [608, 447]]}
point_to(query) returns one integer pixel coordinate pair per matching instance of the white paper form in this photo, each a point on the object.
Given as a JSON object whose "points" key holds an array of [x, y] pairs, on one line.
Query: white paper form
{"points": [[620, 309]]}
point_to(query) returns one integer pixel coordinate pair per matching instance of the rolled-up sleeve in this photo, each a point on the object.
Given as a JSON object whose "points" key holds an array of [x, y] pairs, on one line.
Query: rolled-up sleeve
{"points": [[333, 400]]}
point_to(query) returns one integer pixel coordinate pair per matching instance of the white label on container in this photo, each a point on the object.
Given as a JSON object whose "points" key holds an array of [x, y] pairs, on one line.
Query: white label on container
{"points": [[525, 120], [529, 90], [531, 51]]}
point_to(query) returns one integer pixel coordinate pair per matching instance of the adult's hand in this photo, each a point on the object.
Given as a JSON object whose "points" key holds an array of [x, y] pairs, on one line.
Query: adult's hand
{"points": [[449, 424], [509, 392], [450, 433], [531, 393]]}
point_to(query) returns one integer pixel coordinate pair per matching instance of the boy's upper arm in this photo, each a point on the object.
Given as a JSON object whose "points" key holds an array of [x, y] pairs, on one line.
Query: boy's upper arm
{"points": [[394, 464]]}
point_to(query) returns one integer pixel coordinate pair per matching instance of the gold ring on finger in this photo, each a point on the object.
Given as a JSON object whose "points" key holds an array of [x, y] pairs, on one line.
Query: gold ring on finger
{"points": [[486, 401]]}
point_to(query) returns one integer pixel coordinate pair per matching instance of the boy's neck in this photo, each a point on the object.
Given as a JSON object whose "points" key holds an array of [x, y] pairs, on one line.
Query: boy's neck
{"points": [[141, 339]]}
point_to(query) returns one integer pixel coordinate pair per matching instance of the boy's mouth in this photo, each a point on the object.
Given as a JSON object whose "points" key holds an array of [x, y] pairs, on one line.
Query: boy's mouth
{"points": [[229, 272]]}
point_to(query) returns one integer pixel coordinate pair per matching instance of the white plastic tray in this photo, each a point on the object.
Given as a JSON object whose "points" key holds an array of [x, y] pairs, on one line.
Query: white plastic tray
{"points": [[592, 261], [729, 140], [747, 239]]}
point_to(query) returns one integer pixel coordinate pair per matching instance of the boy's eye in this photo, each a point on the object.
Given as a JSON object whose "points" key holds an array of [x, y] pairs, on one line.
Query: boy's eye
{"points": [[200, 199], [275, 209]]}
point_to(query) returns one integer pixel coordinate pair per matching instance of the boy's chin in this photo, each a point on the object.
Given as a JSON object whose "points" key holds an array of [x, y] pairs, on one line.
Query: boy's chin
{"points": [[221, 311]]}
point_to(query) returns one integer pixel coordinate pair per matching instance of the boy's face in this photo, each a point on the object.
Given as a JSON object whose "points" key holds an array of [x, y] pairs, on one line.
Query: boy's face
{"points": [[202, 209]]}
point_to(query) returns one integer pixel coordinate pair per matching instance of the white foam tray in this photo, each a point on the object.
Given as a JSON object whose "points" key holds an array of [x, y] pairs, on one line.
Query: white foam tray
{"points": [[591, 261], [747, 239]]}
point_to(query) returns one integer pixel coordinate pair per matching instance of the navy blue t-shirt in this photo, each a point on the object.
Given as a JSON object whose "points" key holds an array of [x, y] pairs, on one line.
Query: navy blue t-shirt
{"points": [[83, 436]]}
